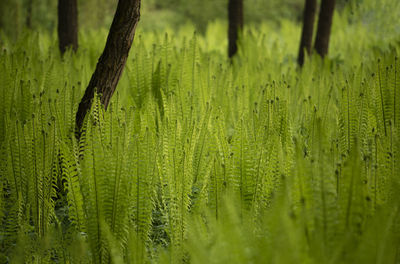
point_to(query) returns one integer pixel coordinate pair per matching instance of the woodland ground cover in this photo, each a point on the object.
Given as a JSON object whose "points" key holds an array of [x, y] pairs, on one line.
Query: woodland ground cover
{"points": [[202, 160]]}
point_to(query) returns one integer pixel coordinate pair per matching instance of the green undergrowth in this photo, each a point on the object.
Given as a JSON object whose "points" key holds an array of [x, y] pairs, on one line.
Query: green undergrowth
{"points": [[199, 159]]}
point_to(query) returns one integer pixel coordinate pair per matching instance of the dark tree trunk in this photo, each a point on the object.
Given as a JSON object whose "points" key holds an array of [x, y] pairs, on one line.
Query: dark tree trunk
{"points": [[324, 27], [308, 29], [29, 14], [111, 63], [67, 24], [235, 17]]}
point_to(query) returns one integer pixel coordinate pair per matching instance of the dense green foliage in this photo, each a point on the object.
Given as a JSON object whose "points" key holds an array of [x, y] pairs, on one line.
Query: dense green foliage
{"points": [[202, 160]]}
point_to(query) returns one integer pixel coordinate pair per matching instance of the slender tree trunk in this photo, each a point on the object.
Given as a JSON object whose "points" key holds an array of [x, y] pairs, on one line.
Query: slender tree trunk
{"points": [[235, 17], [29, 14], [67, 24], [111, 63], [308, 29], [324, 27]]}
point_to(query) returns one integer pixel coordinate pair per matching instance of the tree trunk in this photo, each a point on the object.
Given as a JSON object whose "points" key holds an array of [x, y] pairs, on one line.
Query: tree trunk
{"points": [[324, 27], [29, 15], [111, 63], [67, 24], [235, 17], [308, 29]]}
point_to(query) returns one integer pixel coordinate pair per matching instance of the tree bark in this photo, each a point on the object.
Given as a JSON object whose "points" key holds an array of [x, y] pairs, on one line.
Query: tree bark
{"points": [[235, 17], [112, 62], [324, 27], [67, 25], [308, 29]]}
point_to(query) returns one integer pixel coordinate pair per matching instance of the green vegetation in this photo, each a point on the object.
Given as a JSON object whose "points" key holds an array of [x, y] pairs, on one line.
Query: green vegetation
{"points": [[200, 160], [156, 14]]}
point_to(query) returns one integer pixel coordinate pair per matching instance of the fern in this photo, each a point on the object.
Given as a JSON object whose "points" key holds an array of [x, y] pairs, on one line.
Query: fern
{"points": [[201, 160], [70, 174]]}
